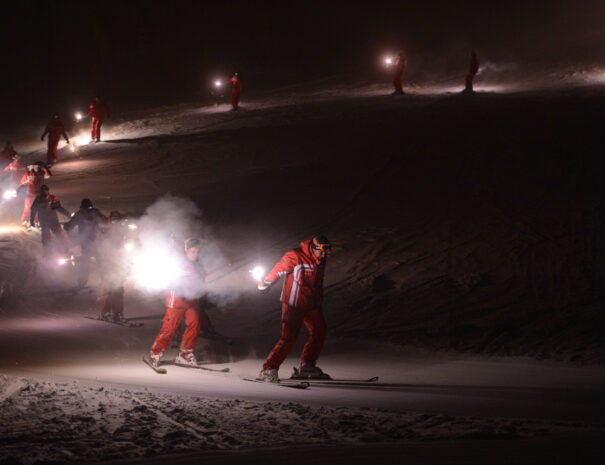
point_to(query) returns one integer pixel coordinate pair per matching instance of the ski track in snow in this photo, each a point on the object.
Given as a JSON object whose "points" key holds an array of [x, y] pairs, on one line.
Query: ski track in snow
{"points": [[71, 422]]}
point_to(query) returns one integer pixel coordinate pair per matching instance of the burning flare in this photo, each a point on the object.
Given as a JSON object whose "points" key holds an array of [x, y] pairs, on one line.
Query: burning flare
{"points": [[258, 273]]}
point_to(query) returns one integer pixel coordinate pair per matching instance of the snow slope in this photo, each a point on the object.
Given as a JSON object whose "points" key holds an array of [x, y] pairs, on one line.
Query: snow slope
{"points": [[469, 223]]}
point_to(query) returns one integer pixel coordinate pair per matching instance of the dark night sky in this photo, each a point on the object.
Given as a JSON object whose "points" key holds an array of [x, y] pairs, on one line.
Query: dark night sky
{"points": [[58, 53]]}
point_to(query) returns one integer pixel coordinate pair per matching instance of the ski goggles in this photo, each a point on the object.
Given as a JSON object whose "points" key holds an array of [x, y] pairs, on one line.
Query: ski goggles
{"points": [[325, 248]]}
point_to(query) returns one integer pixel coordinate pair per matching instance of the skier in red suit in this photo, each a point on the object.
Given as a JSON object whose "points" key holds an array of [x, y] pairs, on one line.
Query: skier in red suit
{"points": [[55, 130], [46, 207], [301, 297], [32, 181], [236, 90], [99, 112], [7, 155], [401, 66], [473, 69], [181, 303], [16, 169]]}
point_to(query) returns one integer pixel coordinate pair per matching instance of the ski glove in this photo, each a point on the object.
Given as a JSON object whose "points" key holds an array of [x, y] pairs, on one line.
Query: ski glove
{"points": [[264, 286]]}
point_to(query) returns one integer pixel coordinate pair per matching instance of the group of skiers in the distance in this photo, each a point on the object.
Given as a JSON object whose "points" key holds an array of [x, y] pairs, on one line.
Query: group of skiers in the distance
{"points": [[401, 65]]}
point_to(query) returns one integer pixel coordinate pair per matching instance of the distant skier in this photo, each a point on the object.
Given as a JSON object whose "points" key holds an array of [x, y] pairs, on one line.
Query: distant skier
{"points": [[236, 89], [7, 155], [88, 220], [15, 171], [401, 66], [99, 112], [182, 303], [301, 297], [113, 269], [32, 181], [46, 206], [55, 130], [473, 69]]}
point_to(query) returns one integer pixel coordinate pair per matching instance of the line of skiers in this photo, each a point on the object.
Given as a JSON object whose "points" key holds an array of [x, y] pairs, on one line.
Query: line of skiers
{"points": [[401, 66]]}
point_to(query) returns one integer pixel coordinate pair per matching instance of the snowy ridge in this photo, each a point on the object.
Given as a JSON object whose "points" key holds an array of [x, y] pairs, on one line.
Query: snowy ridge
{"points": [[85, 423]]}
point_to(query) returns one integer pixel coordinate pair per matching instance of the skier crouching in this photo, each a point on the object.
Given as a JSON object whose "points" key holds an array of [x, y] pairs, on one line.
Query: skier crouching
{"points": [[301, 297], [177, 307]]}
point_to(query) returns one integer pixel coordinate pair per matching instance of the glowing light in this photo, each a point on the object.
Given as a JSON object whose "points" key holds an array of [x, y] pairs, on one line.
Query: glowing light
{"points": [[156, 269], [218, 83], [76, 142], [129, 246], [132, 226], [258, 273], [64, 261], [78, 116], [9, 229], [388, 61], [10, 194]]}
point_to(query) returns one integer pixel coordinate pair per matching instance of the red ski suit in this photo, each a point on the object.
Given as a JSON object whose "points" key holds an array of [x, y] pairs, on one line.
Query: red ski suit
{"points": [[16, 170], [54, 130], [33, 180], [178, 307], [236, 90], [99, 112], [46, 207], [401, 66], [301, 298], [473, 69], [6, 156]]}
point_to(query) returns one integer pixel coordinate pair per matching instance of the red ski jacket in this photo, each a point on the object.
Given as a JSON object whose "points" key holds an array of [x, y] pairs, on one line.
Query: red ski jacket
{"points": [[187, 293], [46, 207], [98, 110], [237, 85], [16, 170], [304, 276], [55, 130], [33, 179]]}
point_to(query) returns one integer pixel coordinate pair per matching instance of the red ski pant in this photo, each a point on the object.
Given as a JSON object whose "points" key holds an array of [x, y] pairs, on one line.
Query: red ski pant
{"points": [[27, 207], [292, 319], [112, 301], [52, 155], [468, 82], [235, 98], [397, 82], [170, 325], [95, 132], [57, 230]]}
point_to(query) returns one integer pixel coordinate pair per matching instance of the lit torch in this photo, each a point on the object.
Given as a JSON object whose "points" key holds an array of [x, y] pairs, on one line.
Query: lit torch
{"points": [[129, 247], [132, 226], [218, 83], [388, 61], [78, 116], [258, 273], [10, 194]]}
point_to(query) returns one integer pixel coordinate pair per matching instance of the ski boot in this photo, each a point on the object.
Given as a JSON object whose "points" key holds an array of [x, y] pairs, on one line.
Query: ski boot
{"points": [[155, 358], [186, 357], [105, 316], [118, 318], [269, 375], [307, 371]]}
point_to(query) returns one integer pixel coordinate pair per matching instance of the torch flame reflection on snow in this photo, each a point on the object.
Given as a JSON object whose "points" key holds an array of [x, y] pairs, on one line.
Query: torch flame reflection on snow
{"points": [[258, 273]]}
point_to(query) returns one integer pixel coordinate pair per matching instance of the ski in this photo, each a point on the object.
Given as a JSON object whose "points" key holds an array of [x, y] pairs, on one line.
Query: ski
{"points": [[161, 371], [298, 385], [198, 366], [334, 380], [120, 323]]}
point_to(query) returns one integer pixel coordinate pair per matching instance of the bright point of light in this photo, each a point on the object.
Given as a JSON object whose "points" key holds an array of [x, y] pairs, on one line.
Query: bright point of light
{"points": [[258, 273], [9, 229], [78, 116], [388, 61], [132, 226], [63, 261], [156, 269], [218, 83], [10, 194], [129, 246]]}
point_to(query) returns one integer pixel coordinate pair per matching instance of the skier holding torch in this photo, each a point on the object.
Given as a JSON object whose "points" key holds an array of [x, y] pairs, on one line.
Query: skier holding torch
{"points": [[301, 297], [401, 65], [99, 112], [55, 130]]}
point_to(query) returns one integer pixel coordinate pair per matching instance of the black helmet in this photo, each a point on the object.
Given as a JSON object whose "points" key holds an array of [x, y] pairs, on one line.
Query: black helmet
{"points": [[86, 204], [321, 243], [192, 242]]}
